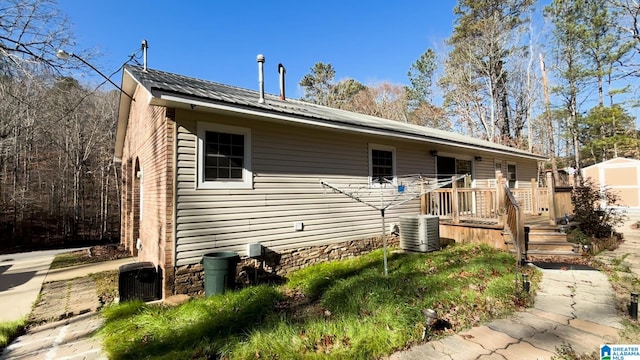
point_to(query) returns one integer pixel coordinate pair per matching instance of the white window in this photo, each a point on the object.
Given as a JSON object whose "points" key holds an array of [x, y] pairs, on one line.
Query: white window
{"points": [[224, 157], [512, 175], [382, 164]]}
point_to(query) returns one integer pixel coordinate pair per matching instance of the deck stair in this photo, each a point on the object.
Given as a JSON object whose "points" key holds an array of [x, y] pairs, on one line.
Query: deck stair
{"points": [[547, 242]]}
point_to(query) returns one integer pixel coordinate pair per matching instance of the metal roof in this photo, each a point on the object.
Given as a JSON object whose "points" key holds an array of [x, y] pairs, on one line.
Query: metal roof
{"points": [[162, 85]]}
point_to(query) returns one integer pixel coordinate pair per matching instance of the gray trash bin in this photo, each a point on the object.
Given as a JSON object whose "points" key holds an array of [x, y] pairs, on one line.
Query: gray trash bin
{"points": [[219, 271]]}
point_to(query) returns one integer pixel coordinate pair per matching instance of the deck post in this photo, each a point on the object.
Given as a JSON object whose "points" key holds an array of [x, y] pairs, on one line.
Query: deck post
{"points": [[454, 201], [502, 197], [423, 199], [534, 197], [552, 198], [499, 198]]}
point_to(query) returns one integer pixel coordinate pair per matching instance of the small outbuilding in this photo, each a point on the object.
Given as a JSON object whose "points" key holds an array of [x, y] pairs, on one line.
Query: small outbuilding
{"points": [[621, 176]]}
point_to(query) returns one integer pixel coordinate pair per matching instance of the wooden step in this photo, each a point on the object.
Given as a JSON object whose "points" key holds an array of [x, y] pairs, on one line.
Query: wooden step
{"points": [[547, 237], [545, 245], [541, 255], [549, 228], [537, 254], [550, 246]]}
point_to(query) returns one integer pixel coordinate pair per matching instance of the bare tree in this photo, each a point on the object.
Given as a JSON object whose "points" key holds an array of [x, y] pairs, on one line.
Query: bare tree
{"points": [[476, 79], [384, 100], [31, 31]]}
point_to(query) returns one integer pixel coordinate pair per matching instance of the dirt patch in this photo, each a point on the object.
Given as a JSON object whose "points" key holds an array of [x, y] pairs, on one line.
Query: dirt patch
{"points": [[108, 252], [94, 254]]}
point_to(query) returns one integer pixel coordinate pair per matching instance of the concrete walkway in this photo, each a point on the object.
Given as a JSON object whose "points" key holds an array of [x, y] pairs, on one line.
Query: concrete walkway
{"points": [[629, 249], [575, 307], [72, 297], [571, 307], [21, 277]]}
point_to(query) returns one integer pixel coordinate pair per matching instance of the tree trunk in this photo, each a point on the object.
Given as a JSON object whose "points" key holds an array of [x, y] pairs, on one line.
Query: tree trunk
{"points": [[549, 123]]}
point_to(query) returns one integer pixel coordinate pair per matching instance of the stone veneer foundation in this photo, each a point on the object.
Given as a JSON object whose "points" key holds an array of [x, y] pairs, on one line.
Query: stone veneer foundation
{"points": [[189, 279]]}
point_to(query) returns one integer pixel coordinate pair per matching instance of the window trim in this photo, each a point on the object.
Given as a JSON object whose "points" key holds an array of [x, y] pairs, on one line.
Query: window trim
{"points": [[247, 174], [393, 162], [515, 173]]}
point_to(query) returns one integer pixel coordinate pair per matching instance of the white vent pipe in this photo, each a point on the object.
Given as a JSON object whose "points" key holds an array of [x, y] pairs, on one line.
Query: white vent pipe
{"points": [[260, 60], [145, 46], [281, 71]]}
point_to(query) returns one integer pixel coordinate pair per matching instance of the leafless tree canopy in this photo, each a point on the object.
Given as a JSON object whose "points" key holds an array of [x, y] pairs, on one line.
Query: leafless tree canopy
{"points": [[58, 182]]}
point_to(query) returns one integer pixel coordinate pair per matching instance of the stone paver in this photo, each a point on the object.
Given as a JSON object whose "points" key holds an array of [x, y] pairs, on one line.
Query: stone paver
{"points": [[492, 356], [608, 333], [561, 305], [524, 351], [67, 339], [66, 298], [68, 294], [582, 342], [560, 319], [456, 347], [487, 338], [513, 328]]}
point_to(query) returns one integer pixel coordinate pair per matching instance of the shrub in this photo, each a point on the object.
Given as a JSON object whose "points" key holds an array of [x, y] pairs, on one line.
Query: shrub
{"points": [[594, 220]]}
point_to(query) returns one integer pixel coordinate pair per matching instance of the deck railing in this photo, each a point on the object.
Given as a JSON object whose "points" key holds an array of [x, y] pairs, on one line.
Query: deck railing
{"points": [[469, 204], [542, 200], [514, 222], [483, 205]]}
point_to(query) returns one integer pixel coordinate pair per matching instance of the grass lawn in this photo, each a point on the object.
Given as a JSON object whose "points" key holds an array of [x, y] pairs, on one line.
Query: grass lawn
{"points": [[67, 259], [340, 309], [10, 330]]}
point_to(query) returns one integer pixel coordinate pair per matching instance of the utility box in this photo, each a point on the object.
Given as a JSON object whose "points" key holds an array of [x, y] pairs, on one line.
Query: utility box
{"points": [[255, 250], [138, 281]]}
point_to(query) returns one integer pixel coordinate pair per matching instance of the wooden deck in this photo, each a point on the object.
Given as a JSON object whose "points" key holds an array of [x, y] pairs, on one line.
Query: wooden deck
{"points": [[544, 240]]}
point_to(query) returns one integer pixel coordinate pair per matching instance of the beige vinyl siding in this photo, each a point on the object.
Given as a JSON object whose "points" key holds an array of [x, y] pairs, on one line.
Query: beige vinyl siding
{"points": [[288, 163], [621, 176], [527, 171], [483, 172]]}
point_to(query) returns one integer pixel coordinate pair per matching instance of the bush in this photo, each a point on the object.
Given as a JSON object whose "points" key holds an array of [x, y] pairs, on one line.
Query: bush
{"points": [[594, 220]]}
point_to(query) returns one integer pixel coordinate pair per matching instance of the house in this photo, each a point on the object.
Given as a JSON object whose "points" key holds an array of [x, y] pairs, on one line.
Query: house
{"points": [[209, 167], [621, 176]]}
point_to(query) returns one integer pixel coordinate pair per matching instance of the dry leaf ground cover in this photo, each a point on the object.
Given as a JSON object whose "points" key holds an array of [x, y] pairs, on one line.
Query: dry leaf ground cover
{"points": [[340, 309]]}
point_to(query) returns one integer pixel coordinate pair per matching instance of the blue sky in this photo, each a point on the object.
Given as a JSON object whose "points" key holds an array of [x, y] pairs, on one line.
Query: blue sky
{"points": [[370, 41]]}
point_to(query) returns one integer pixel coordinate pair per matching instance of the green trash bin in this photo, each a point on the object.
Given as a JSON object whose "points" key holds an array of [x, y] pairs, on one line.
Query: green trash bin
{"points": [[219, 271]]}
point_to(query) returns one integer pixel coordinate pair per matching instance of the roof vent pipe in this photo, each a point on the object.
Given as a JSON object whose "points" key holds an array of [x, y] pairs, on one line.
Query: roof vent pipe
{"points": [[145, 46], [281, 71], [260, 60]]}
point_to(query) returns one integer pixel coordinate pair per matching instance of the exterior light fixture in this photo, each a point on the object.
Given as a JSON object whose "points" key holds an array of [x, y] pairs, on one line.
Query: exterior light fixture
{"points": [[433, 153], [63, 55], [430, 319], [633, 307], [526, 284], [477, 158]]}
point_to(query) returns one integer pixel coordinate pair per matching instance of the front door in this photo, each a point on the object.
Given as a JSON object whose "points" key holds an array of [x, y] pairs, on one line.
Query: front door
{"points": [[446, 167]]}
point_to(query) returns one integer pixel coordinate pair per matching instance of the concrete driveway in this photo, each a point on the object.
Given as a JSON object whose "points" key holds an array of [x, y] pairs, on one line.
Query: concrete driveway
{"points": [[21, 277]]}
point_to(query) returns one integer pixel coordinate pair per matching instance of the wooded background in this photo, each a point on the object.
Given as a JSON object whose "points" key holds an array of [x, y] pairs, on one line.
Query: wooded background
{"points": [[556, 77], [58, 181]]}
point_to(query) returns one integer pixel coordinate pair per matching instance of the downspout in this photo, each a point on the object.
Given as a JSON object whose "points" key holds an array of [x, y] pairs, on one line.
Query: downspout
{"points": [[260, 59]]}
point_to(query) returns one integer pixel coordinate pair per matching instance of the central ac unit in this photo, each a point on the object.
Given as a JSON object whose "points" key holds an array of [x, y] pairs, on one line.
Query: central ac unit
{"points": [[420, 233]]}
